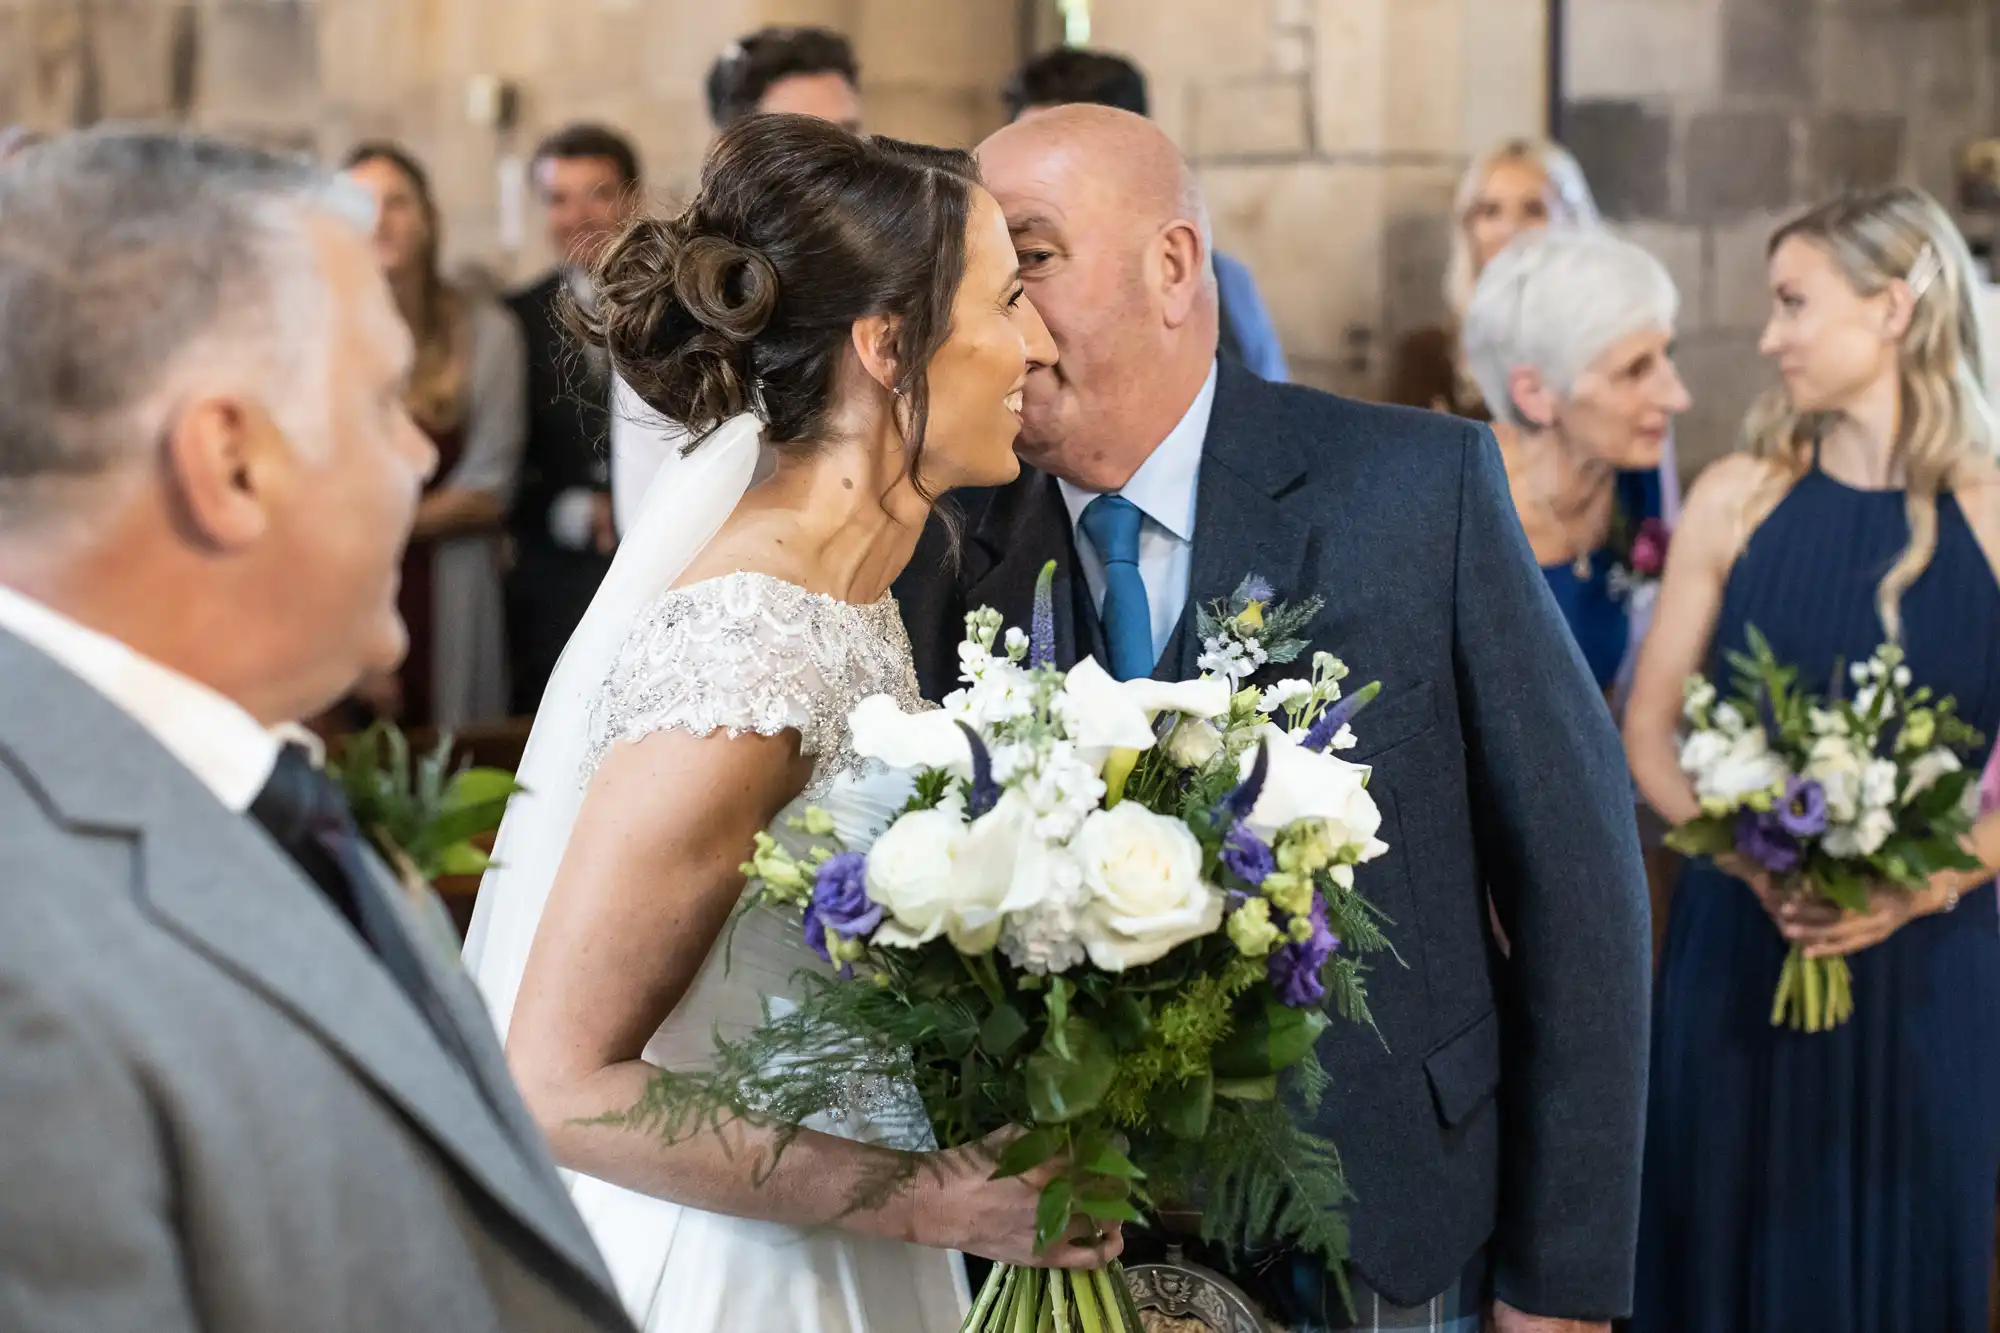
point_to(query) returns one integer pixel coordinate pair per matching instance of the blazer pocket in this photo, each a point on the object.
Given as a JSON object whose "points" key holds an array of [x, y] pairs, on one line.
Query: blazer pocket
{"points": [[1391, 720], [1464, 1070]]}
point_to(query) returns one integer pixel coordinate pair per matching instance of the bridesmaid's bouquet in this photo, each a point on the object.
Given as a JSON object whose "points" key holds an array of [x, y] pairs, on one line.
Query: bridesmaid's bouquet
{"points": [[1115, 915], [1833, 797]]}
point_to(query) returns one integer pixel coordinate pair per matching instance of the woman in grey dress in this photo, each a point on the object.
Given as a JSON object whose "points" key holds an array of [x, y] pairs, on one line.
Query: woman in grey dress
{"points": [[468, 390]]}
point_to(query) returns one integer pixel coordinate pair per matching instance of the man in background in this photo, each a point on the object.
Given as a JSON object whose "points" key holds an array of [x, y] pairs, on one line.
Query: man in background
{"points": [[587, 180], [806, 71], [803, 71], [1069, 75]]}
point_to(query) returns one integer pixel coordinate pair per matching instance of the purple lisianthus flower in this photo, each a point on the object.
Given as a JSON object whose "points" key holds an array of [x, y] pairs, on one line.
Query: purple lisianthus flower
{"points": [[1763, 839], [1803, 811], [840, 903], [1247, 856], [1294, 967]]}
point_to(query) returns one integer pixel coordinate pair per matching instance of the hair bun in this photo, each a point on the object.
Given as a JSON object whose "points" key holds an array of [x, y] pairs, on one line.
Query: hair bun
{"points": [[677, 309], [726, 287]]}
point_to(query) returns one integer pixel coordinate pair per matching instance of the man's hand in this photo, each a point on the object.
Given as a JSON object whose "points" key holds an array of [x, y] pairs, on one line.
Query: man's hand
{"points": [[1506, 1319]]}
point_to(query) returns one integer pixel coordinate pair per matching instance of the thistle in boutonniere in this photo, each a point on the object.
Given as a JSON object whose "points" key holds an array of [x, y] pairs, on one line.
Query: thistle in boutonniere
{"points": [[1251, 630], [422, 817]]}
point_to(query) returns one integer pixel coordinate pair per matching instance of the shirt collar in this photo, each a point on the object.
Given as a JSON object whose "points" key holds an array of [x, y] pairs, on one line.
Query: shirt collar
{"points": [[1164, 486], [211, 736]]}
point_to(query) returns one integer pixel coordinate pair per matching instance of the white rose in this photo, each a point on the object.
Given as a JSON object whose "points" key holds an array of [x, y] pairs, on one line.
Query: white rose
{"points": [[914, 873], [1193, 743], [1304, 784], [1143, 875], [1100, 715], [1925, 772], [1748, 766], [929, 739]]}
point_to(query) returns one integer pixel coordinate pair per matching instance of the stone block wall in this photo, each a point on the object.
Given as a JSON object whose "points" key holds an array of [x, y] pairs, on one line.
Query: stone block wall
{"points": [[1705, 123], [1329, 135]]}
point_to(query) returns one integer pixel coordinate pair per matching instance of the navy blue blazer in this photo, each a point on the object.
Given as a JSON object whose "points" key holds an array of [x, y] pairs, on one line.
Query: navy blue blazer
{"points": [[1502, 1104]]}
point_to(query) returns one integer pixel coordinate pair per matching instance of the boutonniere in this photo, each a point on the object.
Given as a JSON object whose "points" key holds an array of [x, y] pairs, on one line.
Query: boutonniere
{"points": [[1639, 557], [423, 819], [1251, 630]]}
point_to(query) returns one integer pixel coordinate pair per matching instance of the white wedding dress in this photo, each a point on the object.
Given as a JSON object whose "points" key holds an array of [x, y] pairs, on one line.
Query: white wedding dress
{"points": [[742, 653]]}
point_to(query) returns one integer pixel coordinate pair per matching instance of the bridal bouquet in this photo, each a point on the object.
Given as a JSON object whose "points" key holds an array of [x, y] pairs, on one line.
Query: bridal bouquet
{"points": [[1112, 914], [1832, 796]]}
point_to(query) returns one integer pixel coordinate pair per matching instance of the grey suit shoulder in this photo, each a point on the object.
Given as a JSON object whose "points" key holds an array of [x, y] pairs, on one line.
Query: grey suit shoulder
{"points": [[220, 1114]]}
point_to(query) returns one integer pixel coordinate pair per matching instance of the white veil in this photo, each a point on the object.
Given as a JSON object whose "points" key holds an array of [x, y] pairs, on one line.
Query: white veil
{"points": [[685, 505]]}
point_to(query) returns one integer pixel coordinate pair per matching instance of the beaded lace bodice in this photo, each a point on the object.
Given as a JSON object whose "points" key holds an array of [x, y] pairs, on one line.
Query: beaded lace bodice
{"points": [[748, 652]]}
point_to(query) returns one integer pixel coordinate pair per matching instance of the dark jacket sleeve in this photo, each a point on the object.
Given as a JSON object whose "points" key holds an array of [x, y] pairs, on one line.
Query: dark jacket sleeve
{"points": [[1557, 840]]}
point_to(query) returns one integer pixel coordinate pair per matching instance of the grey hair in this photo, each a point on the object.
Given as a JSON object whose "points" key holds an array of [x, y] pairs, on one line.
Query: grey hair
{"points": [[1575, 206], [128, 257], [1553, 302]]}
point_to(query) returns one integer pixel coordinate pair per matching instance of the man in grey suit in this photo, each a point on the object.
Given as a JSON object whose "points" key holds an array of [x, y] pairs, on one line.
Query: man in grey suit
{"points": [[240, 1088]]}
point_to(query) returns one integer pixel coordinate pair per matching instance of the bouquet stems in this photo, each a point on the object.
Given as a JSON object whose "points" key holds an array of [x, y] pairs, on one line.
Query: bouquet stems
{"points": [[1055, 1300], [1814, 994]]}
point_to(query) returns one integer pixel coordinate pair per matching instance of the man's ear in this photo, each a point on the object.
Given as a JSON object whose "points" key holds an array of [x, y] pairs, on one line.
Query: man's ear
{"points": [[1184, 263], [226, 464]]}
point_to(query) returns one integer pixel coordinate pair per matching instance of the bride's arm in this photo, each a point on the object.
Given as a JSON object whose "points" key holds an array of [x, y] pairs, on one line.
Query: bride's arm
{"points": [[648, 883]]}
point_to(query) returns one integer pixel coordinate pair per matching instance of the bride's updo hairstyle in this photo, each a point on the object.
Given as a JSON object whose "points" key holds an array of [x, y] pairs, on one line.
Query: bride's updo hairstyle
{"points": [[748, 298]]}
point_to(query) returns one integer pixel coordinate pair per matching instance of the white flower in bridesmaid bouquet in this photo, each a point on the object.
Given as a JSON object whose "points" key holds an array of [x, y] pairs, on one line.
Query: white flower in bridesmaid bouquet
{"points": [[1926, 771], [1746, 769], [1878, 784]]}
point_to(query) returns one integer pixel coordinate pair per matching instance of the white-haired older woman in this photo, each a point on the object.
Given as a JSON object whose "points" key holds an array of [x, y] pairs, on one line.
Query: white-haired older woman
{"points": [[1520, 186], [1569, 336]]}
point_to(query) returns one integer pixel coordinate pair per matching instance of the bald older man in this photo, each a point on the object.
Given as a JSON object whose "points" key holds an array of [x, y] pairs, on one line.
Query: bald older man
{"points": [[1492, 1131]]}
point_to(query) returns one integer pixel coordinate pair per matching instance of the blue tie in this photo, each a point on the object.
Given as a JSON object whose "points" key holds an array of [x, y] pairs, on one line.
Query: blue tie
{"points": [[1112, 524]]}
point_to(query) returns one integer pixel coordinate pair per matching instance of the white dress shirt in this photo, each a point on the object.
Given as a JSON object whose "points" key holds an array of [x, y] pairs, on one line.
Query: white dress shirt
{"points": [[215, 739], [1164, 490]]}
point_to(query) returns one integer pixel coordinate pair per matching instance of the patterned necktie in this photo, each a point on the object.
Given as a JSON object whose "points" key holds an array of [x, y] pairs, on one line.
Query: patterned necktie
{"points": [[1111, 522]]}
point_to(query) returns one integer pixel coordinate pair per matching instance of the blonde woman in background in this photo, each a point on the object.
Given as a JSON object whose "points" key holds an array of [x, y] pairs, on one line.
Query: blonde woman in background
{"points": [[468, 391], [1838, 1181], [1523, 185]]}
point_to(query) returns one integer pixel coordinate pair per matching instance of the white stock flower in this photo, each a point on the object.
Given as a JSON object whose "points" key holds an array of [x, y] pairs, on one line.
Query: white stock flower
{"points": [[1285, 692], [1698, 697], [1016, 642], [1061, 791], [1873, 830], [1045, 938], [1746, 767], [1828, 722], [1193, 743], [1928, 768], [1303, 784], [1878, 784], [1146, 895], [1099, 715], [929, 739], [1701, 751], [1729, 720]]}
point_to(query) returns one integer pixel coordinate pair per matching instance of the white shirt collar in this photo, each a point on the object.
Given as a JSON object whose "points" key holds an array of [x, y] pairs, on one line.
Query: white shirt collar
{"points": [[1164, 486], [214, 738]]}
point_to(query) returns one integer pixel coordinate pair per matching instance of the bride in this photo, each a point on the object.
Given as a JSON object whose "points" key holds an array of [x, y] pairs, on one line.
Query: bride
{"points": [[861, 298]]}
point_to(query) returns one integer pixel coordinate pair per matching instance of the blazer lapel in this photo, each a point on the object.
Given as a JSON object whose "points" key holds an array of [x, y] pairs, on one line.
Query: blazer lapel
{"points": [[1024, 528], [1242, 524], [213, 878]]}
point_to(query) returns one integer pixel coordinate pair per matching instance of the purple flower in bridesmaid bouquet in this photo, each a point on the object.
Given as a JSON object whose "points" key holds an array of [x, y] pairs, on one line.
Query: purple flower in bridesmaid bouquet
{"points": [[1763, 839], [1803, 811], [1247, 856], [840, 903], [1294, 968]]}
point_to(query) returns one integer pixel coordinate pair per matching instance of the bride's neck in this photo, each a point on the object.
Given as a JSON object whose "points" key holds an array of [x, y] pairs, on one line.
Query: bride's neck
{"points": [[855, 515]]}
